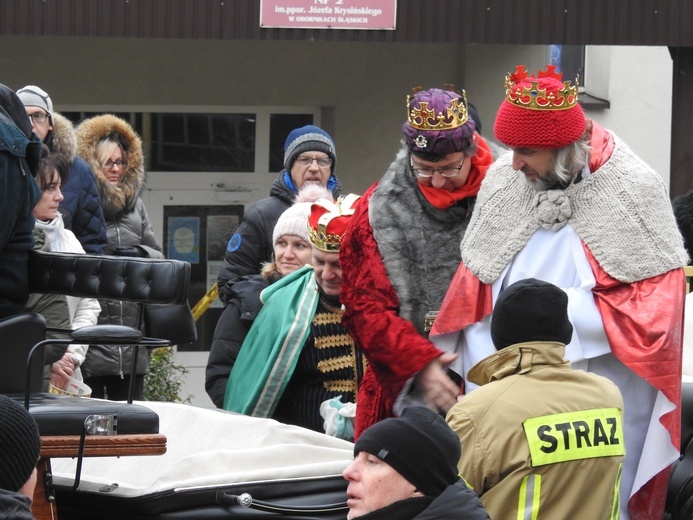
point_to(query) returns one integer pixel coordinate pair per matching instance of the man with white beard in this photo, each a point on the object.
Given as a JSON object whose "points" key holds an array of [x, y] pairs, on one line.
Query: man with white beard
{"points": [[574, 206]]}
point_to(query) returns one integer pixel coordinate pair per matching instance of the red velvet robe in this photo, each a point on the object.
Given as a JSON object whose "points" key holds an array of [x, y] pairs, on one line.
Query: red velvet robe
{"points": [[395, 350], [373, 320]]}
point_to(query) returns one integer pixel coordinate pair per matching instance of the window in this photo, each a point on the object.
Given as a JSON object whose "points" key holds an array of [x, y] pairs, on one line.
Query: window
{"points": [[202, 142], [210, 142], [570, 60], [280, 126]]}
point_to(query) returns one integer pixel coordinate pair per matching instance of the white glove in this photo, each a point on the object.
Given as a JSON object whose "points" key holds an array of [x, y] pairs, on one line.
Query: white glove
{"points": [[339, 418]]}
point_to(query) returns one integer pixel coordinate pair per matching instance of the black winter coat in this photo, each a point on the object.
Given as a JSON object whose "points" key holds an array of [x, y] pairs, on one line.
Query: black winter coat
{"points": [[457, 502], [233, 326]]}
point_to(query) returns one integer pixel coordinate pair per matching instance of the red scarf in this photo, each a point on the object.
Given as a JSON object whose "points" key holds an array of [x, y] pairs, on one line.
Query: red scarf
{"points": [[443, 199]]}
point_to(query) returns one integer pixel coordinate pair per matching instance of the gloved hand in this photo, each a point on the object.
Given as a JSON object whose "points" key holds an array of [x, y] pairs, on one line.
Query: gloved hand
{"points": [[135, 251]]}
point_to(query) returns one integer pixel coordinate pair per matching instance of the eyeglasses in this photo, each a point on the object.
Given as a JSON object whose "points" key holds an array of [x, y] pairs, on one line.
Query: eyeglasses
{"points": [[323, 162], [448, 172], [38, 117], [120, 163]]}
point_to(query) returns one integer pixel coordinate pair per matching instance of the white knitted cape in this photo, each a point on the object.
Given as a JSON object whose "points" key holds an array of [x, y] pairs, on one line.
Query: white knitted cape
{"points": [[621, 212]]}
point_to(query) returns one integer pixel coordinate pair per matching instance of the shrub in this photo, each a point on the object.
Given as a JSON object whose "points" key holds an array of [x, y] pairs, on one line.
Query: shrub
{"points": [[164, 379]]}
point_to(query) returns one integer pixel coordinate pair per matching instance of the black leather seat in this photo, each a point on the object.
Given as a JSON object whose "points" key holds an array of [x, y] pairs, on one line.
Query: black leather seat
{"points": [[140, 280], [19, 334]]}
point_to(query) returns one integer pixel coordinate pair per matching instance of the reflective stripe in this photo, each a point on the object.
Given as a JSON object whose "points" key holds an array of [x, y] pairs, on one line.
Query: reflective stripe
{"points": [[528, 501], [616, 502], [575, 435]]}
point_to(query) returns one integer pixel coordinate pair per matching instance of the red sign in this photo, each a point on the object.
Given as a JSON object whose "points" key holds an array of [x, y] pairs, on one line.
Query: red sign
{"points": [[329, 14]]}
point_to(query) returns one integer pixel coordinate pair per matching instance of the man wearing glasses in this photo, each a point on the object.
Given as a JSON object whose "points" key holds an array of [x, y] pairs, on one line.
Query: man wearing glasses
{"points": [[309, 157], [401, 251], [81, 208]]}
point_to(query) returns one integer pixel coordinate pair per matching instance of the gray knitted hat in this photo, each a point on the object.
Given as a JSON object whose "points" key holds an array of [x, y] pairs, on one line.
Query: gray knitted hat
{"points": [[20, 444], [33, 96]]}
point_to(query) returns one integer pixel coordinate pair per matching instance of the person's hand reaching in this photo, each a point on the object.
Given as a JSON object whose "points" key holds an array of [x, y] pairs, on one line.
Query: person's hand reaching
{"points": [[439, 391]]}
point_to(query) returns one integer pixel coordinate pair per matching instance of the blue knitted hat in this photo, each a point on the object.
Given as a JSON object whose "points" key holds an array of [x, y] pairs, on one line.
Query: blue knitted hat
{"points": [[308, 138]]}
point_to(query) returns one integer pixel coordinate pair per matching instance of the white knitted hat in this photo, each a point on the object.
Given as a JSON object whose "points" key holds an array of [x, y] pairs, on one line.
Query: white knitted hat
{"points": [[294, 221]]}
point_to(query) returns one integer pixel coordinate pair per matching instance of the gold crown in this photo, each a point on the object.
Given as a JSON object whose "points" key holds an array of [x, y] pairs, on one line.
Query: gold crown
{"points": [[328, 221], [423, 118], [535, 98]]}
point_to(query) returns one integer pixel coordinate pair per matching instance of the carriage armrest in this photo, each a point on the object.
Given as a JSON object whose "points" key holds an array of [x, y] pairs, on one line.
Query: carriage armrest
{"points": [[64, 415], [142, 280]]}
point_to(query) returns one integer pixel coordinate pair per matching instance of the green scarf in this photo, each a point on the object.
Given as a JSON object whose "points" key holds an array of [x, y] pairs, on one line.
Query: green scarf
{"points": [[270, 351]]}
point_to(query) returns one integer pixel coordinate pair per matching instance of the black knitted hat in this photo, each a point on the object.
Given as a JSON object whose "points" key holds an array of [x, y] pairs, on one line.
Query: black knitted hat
{"points": [[530, 310], [419, 445], [20, 444]]}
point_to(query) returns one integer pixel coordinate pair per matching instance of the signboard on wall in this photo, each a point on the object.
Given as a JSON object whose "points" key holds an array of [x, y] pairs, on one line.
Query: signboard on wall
{"points": [[329, 14]]}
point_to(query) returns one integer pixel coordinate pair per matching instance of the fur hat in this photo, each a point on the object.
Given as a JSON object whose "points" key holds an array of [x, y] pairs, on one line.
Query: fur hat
{"points": [[539, 112], [294, 221], [530, 310], [121, 199], [419, 445], [308, 138], [450, 136], [20, 444], [33, 96]]}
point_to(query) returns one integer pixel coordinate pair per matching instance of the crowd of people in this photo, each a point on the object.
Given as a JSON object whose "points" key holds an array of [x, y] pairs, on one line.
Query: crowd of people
{"points": [[496, 326]]}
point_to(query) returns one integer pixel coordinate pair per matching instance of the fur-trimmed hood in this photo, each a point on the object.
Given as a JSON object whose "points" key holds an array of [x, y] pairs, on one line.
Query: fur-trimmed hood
{"points": [[63, 140], [116, 200]]}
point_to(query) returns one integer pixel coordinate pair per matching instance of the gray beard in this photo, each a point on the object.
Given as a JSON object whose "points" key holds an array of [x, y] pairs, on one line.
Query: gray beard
{"points": [[550, 182]]}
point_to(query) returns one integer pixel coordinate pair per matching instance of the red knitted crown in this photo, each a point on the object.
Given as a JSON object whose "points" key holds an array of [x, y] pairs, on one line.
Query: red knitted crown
{"points": [[539, 112]]}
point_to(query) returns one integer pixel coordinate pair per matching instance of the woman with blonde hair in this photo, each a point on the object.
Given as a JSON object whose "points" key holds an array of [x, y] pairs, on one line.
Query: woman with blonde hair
{"points": [[114, 151]]}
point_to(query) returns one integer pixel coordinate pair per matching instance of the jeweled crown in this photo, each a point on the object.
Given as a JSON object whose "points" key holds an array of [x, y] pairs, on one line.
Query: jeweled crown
{"points": [[537, 98], [328, 221], [425, 118]]}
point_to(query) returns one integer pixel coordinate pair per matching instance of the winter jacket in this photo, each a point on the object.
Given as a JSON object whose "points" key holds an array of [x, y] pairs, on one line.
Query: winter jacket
{"points": [[81, 207], [62, 311], [251, 244], [15, 506], [457, 501], [233, 326], [19, 192], [127, 223], [540, 437]]}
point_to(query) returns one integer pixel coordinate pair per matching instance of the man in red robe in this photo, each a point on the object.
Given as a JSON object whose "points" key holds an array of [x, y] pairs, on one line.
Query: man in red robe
{"points": [[401, 250], [574, 206]]}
